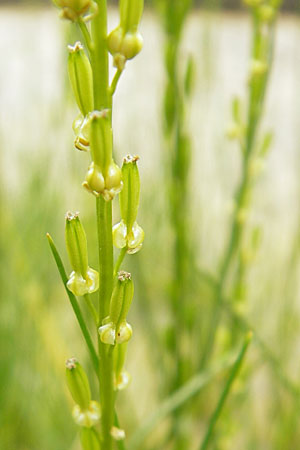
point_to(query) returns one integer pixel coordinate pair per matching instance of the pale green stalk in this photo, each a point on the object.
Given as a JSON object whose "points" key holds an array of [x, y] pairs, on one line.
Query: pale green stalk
{"points": [[256, 96]]}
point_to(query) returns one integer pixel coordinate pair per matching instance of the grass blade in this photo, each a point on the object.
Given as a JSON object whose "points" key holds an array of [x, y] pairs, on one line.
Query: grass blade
{"points": [[74, 304], [233, 374], [175, 400]]}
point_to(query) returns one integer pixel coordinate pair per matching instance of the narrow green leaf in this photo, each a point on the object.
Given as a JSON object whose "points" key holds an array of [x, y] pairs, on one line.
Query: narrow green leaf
{"points": [[188, 390], [233, 374], [74, 304]]}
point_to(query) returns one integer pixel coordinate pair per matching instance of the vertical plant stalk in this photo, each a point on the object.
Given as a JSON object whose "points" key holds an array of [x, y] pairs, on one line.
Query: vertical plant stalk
{"points": [[99, 61], [262, 44]]}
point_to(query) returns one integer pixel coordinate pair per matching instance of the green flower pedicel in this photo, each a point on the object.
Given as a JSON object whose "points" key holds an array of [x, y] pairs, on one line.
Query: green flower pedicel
{"points": [[128, 233], [82, 280], [115, 329], [86, 412]]}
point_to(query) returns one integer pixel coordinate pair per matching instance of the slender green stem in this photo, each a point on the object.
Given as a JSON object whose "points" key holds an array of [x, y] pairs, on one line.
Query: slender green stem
{"points": [[120, 259], [92, 309], [104, 226], [74, 304], [177, 399], [233, 374], [114, 82]]}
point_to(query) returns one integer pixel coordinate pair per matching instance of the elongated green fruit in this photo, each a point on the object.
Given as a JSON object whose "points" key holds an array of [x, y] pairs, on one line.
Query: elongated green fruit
{"points": [[81, 78], [115, 328], [130, 195], [128, 233], [82, 280], [130, 14], [78, 383]]}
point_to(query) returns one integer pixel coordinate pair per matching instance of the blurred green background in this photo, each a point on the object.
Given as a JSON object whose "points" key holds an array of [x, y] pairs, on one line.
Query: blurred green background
{"points": [[41, 175]]}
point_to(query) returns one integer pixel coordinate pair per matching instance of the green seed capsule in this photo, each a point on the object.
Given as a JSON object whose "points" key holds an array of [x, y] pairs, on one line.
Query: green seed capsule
{"points": [[128, 232], [78, 383], [104, 177], [89, 439], [83, 279], [130, 14], [115, 329], [81, 78], [130, 195], [76, 243]]}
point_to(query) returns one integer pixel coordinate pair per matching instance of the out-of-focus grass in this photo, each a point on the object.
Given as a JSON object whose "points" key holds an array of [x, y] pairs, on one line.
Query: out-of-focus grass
{"points": [[40, 174]]}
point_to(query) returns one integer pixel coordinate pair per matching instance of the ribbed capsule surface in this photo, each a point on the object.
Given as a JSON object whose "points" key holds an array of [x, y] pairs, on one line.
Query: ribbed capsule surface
{"points": [[130, 14], [130, 194], [78, 383], [81, 78], [76, 243]]}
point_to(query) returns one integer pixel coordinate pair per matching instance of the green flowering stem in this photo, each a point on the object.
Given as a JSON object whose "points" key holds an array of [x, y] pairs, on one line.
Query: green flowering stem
{"points": [[74, 304], [233, 374], [120, 259], [104, 226], [257, 92], [115, 81], [92, 308]]}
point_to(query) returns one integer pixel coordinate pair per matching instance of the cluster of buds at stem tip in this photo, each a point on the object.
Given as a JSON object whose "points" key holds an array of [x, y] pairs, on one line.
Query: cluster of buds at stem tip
{"points": [[104, 177], [82, 280], [75, 9], [125, 41], [86, 412], [127, 233], [81, 79], [115, 329]]}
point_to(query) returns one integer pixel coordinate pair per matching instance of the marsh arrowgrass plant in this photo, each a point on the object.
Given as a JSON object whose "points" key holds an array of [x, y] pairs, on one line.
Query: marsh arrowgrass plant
{"points": [[88, 67]]}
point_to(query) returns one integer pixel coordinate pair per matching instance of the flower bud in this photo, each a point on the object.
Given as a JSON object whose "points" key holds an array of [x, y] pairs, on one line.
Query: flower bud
{"points": [[78, 383], [83, 279], [128, 232], [88, 417], [73, 9], [81, 78], [89, 439], [114, 328]]}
